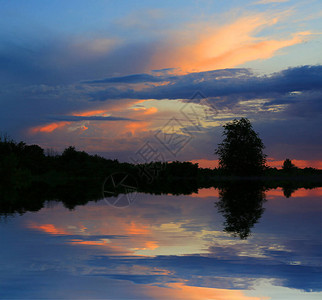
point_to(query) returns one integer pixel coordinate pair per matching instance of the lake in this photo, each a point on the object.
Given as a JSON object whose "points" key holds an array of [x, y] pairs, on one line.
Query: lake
{"points": [[207, 245]]}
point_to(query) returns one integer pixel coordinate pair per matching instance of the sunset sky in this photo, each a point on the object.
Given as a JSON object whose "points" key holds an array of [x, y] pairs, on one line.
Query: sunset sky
{"points": [[156, 80]]}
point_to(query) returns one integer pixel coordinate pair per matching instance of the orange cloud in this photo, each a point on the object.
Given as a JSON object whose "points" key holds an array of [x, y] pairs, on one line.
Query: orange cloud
{"points": [[139, 231], [249, 51], [49, 127], [149, 245], [135, 127], [150, 111], [48, 228], [208, 47], [179, 290], [134, 228], [146, 111], [90, 113], [90, 243], [122, 106]]}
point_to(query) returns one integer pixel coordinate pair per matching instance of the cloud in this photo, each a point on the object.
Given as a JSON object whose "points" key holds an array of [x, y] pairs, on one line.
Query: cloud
{"points": [[228, 265], [49, 127], [89, 118], [235, 83], [64, 120], [136, 78], [271, 1], [207, 46], [66, 61]]}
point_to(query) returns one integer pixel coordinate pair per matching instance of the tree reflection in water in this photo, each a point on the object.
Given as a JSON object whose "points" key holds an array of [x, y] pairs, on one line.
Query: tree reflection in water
{"points": [[241, 203]]}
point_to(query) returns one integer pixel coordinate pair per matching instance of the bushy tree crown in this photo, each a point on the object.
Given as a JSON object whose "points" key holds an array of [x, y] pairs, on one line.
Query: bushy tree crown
{"points": [[241, 152]]}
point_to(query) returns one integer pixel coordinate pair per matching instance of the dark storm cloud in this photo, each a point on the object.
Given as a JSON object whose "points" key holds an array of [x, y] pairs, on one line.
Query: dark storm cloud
{"points": [[238, 83], [182, 87], [304, 104]]}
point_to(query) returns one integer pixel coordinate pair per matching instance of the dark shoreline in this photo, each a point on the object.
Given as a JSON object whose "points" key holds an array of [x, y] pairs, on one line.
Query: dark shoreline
{"points": [[29, 178]]}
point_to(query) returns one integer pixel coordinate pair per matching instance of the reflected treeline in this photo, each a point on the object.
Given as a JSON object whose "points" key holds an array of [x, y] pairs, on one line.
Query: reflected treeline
{"points": [[240, 201], [241, 204], [33, 197], [79, 192]]}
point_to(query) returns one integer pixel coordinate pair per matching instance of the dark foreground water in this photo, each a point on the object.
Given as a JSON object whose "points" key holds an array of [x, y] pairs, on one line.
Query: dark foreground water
{"points": [[199, 246]]}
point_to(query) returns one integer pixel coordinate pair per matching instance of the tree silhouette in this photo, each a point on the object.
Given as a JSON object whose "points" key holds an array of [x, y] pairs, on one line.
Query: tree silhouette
{"points": [[288, 190], [241, 203], [241, 152], [288, 165]]}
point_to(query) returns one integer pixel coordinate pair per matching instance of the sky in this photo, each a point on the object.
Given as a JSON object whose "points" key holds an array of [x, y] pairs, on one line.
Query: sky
{"points": [[156, 80]]}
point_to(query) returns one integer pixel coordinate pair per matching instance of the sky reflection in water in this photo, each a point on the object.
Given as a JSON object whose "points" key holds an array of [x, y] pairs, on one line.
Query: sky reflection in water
{"points": [[167, 247]]}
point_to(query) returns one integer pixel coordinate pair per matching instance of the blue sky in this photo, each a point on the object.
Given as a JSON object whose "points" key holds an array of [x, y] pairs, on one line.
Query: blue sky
{"points": [[65, 67]]}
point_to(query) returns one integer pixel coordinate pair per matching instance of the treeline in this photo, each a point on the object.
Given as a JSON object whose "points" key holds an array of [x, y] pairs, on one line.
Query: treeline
{"points": [[22, 164]]}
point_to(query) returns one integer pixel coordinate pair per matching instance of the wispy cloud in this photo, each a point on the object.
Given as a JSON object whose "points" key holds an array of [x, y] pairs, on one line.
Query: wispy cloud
{"points": [[48, 127], [89, 118], [210, 46], [65, 120], [271, 1]]}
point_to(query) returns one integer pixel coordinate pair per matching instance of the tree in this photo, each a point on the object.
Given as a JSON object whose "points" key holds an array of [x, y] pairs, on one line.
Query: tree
{"points": [[288, 165], [241, 203], [241, 152]]}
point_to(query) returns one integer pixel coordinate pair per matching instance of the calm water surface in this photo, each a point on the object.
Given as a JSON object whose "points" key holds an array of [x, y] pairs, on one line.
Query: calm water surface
{"points": [[166, 247]]}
